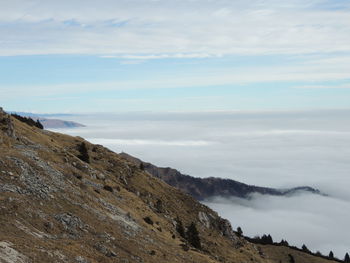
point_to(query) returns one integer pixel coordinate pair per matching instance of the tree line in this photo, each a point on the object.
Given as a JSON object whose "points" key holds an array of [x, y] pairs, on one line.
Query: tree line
{"points": [[268, 240], [28, 121]]}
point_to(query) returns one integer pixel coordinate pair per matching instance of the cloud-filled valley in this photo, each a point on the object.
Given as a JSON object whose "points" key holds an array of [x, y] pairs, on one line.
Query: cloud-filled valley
{"points": [[276, 149]]}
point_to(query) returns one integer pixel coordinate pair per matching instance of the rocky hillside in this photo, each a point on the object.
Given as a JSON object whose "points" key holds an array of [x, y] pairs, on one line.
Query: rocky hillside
{"points": [[63, 199], [205, 188]]}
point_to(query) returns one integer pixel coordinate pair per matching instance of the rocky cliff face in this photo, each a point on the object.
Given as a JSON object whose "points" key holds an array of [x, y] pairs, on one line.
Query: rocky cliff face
{"points": [[206, 188], [54, 207]]}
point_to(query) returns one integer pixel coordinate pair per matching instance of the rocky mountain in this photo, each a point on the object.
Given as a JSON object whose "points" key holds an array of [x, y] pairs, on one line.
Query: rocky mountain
{"points": [[63, 199], [206, 188]]}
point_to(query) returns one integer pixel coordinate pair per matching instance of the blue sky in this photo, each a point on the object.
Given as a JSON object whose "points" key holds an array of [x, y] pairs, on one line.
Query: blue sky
{"points": [[181, 55]]}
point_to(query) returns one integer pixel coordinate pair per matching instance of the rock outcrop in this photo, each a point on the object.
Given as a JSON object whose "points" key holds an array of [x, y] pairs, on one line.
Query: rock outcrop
{"points": [[6, 124]]}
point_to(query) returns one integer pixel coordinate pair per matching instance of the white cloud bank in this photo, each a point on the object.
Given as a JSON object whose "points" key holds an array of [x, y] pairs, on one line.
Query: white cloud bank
{"points": [[319, 222], [277, 149], [191, 28]]}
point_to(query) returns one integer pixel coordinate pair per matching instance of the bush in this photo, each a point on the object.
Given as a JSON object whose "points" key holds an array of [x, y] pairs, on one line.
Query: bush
{"points": [[108, 188], [148, 220]]}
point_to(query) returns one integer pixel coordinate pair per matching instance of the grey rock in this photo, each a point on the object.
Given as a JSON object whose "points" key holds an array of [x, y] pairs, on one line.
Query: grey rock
{"points": [[80, 259], [71, 223]]}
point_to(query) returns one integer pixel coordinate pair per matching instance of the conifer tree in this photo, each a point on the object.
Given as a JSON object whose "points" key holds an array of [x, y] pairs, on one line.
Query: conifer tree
{"points": [[347, 258], [291, 258], [142, 166], [331, 255], [305, 249], [193, 236], [239, 231], [84, 154], [180, 228]]}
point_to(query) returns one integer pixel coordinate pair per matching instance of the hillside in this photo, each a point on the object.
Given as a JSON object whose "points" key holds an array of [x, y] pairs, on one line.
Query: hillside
{"points": [[205, 188], [63, 199]]}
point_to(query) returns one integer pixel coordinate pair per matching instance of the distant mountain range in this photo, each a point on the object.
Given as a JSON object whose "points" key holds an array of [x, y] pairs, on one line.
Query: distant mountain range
{"points": [[206, 188], [57, 123], [48, 123]]}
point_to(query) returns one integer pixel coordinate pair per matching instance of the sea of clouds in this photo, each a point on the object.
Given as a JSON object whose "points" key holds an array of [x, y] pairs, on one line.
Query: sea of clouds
{"points": [[276, 149]]}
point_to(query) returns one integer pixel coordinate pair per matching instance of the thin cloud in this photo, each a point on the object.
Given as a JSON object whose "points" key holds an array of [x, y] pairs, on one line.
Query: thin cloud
{"points": [[165, 56], [346, 86], [173, 27]]}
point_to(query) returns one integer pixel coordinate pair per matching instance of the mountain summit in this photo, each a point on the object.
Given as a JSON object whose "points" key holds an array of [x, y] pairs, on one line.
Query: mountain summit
{"points": [[63, 199]]}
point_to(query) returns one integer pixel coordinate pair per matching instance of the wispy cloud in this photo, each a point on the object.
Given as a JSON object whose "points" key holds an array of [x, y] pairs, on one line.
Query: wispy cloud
{"points": [[164, 56], [344, 86], [173, 27]]}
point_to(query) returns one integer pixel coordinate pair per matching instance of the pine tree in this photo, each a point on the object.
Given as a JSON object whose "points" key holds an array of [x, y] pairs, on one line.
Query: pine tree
{"points": [[331, 255], [39, 125], [239, 231], [291, 258], [305, 249], [180, 228], [284, 243], [193, 236], [142, 166], [84, 154], [269, 239], [347, 258]]}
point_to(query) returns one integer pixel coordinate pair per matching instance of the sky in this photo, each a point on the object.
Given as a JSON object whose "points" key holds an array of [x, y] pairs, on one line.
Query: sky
{"points": [[180, 55]]}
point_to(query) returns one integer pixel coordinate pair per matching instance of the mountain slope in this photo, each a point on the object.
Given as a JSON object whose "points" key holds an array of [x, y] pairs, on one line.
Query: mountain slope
{"points": [[204, 188], [55, 207]]}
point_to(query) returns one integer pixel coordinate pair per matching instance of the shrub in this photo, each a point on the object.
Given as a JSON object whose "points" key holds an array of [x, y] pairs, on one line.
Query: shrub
{"points": [[108, 188], [148, 220]]}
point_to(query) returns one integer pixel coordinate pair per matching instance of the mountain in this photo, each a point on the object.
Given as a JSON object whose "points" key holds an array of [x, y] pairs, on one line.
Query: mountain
{"points": [[63, 199], [206, 188], [57, 123], [48, 122]]}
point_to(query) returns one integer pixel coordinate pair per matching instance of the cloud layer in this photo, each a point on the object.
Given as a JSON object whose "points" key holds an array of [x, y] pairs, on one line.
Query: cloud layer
{"points": [[192, 28], [278, 149]]}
